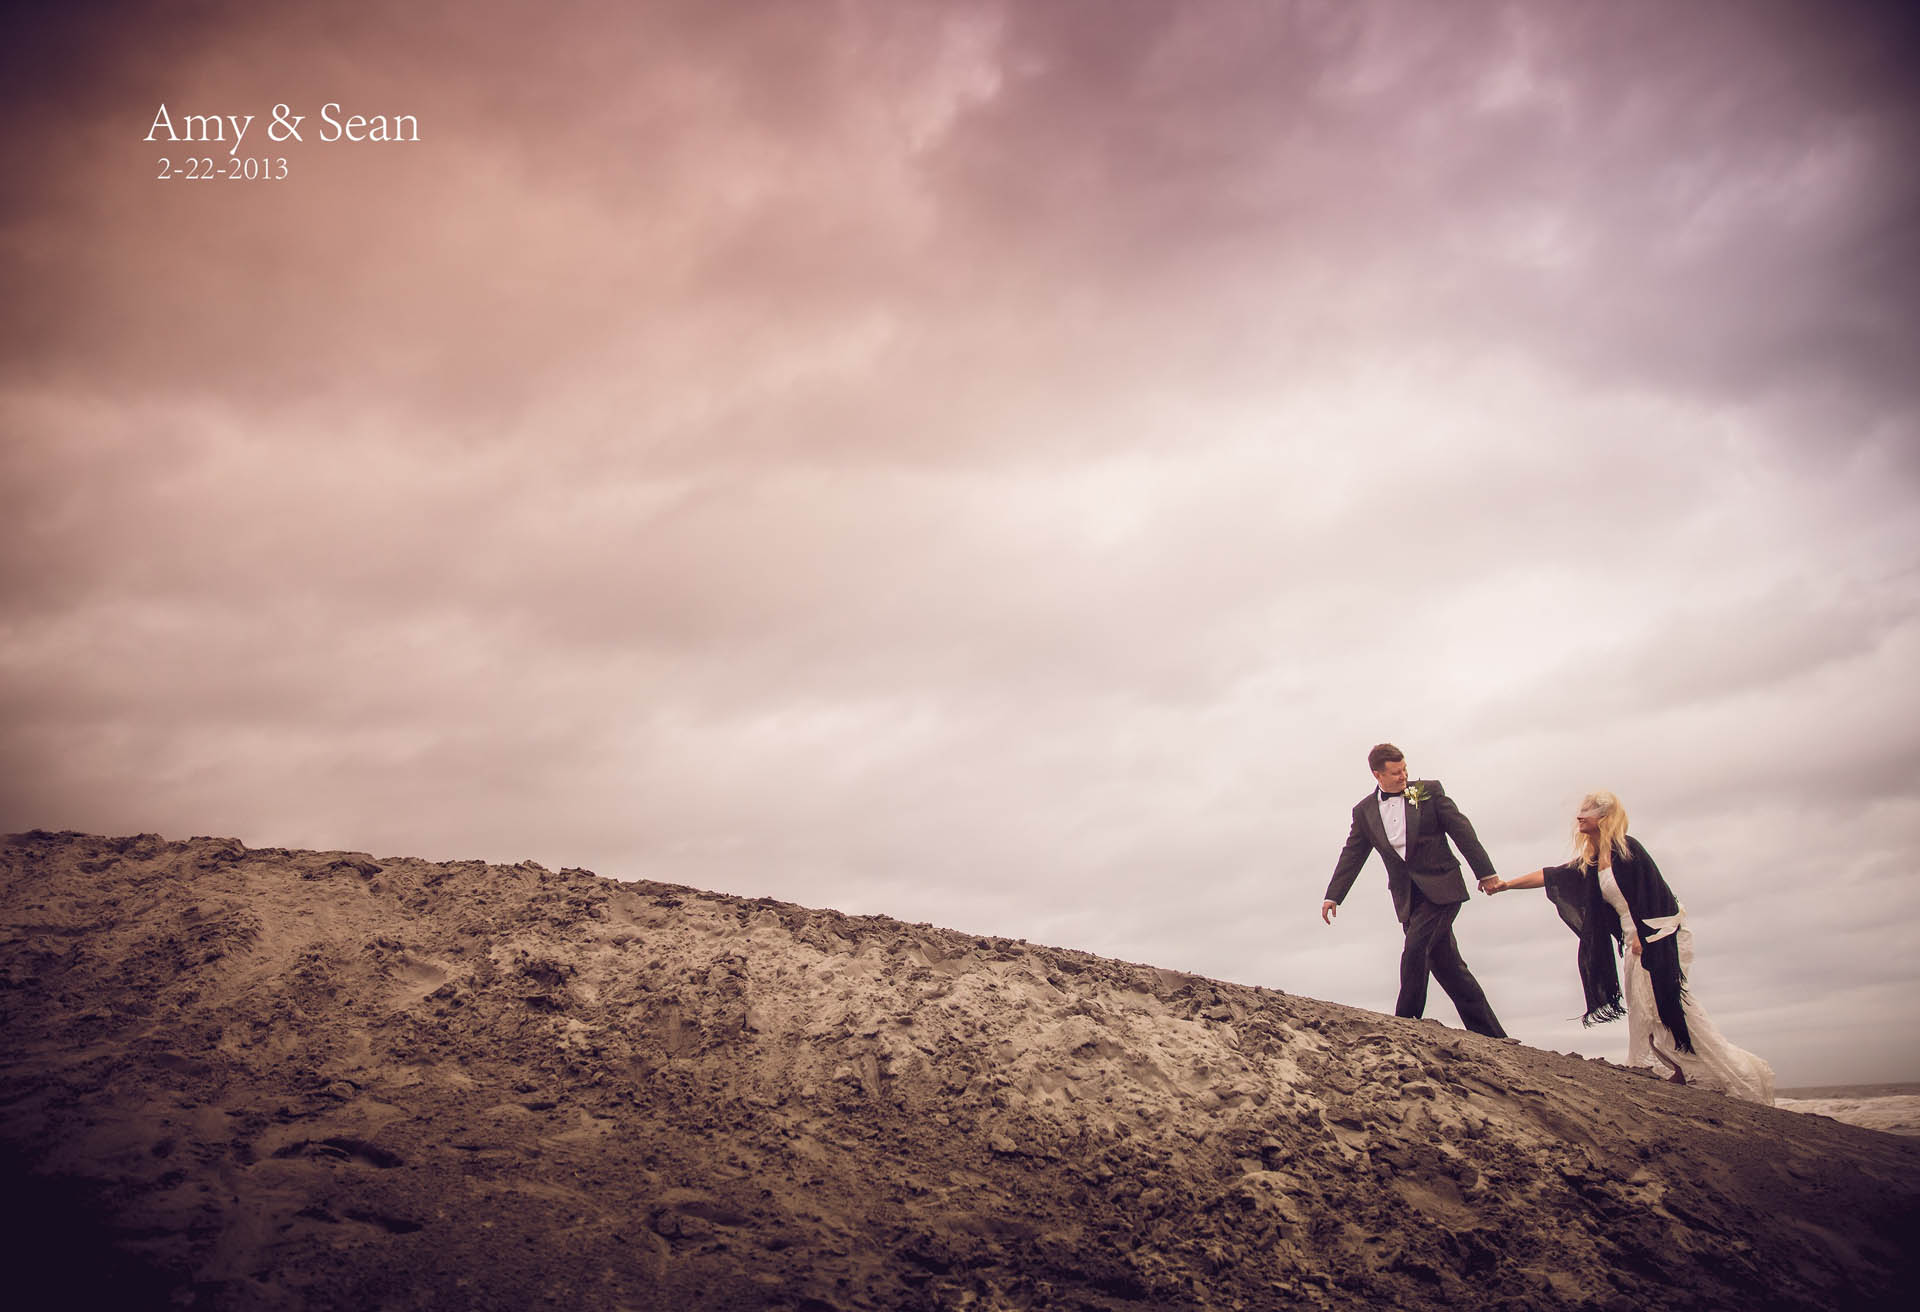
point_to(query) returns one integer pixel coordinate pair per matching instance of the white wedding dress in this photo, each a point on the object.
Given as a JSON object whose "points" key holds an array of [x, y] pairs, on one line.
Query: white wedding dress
{"points": [[1714, 1063]]}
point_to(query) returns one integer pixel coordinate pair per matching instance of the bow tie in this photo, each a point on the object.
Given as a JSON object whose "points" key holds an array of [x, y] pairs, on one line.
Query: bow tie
{"points": [[1388, 797]]}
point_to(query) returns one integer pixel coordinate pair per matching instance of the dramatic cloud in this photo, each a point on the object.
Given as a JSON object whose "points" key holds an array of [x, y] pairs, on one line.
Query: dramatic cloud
{"points": [[995, 464]]}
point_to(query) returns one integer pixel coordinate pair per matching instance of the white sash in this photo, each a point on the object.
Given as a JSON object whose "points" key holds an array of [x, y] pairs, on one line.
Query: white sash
{"points": [[1665, 925]]}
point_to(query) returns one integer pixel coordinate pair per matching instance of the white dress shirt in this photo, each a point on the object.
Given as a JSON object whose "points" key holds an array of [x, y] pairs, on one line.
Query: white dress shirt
{"points": [[1393, 814]]}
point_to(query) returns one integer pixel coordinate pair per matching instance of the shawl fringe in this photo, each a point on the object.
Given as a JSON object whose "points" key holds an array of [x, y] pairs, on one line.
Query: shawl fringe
{"points": [[1606, 1011]]}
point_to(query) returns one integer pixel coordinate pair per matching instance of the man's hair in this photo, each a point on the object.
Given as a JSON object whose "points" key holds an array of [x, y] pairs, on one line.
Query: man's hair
{"points": [[1379, 756]]}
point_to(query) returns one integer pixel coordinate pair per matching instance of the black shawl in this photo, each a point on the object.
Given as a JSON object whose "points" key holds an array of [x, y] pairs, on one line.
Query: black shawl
{"points": [[1575, 891]]}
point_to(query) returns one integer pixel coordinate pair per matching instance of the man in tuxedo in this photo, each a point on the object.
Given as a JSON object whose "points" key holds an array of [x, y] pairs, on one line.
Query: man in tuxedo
{"points": [[1409, 825]]}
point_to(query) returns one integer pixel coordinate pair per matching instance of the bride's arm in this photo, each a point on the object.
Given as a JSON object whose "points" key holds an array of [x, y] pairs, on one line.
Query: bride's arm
{"points": [[1532, 879]]}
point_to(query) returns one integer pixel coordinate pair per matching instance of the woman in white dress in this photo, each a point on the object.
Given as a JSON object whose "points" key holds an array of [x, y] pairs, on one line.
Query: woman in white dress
{"points": [[1613, 896]]}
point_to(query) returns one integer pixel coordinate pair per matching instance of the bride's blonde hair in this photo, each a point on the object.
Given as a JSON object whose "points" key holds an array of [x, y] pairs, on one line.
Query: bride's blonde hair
{"points": [[1604, 807]]}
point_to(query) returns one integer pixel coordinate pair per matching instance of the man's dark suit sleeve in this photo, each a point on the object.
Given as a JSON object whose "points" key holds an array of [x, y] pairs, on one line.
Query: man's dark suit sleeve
{"points": [[1352, 857], [1460, 830]]}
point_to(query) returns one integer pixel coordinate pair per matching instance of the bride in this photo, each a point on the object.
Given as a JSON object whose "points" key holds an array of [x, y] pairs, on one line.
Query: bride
{"points": [[1612, 892]]}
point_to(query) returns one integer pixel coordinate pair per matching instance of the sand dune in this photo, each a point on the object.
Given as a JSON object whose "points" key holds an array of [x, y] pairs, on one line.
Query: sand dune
{"points": [[282, 1079]]}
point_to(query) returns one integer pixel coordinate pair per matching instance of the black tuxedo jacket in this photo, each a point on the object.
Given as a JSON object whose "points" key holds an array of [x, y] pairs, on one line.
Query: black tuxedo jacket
{"points": [[1430, 863]]}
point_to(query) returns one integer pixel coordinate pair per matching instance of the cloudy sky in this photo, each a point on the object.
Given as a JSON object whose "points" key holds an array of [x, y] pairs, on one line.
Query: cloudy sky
{"points": [[995, 464]]}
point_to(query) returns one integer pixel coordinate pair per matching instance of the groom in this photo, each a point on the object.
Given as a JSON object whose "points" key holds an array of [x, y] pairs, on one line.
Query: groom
{"points": [[1409, 825]]}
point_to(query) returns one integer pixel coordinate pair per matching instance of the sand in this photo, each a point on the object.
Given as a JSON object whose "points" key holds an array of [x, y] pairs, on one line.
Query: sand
{"points": [[260, 1078]]}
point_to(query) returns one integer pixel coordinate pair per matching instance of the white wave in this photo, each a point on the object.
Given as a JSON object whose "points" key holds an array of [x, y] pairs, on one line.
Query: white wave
{"points": [[1897, 1114]]}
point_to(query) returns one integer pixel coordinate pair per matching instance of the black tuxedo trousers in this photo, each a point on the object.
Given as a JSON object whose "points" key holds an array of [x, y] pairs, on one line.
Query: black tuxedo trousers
{"points": [[1430, 947]]}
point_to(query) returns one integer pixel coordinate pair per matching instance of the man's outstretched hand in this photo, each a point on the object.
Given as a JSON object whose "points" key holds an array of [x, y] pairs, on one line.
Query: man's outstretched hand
{"points": [[1328, 910]]}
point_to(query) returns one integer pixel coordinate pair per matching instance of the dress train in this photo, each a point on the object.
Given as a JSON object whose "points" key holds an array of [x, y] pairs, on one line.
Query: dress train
{"points": [[1714, 1063]]}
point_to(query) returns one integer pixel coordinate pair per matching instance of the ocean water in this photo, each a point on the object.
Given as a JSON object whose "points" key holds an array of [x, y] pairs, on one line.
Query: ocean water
{"points": [[1894, 1108]]}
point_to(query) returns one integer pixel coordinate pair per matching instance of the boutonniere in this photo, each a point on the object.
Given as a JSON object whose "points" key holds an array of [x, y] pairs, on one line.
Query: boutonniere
{"points": [[1416, 794]]}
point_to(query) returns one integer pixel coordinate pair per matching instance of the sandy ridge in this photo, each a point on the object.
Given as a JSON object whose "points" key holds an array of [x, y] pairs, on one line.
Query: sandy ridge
{"points": [[291, 1079]]}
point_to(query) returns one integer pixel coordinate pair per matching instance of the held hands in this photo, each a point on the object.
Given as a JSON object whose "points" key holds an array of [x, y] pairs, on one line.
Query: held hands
{"points": [[1633, 944], [1532, 879]]}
